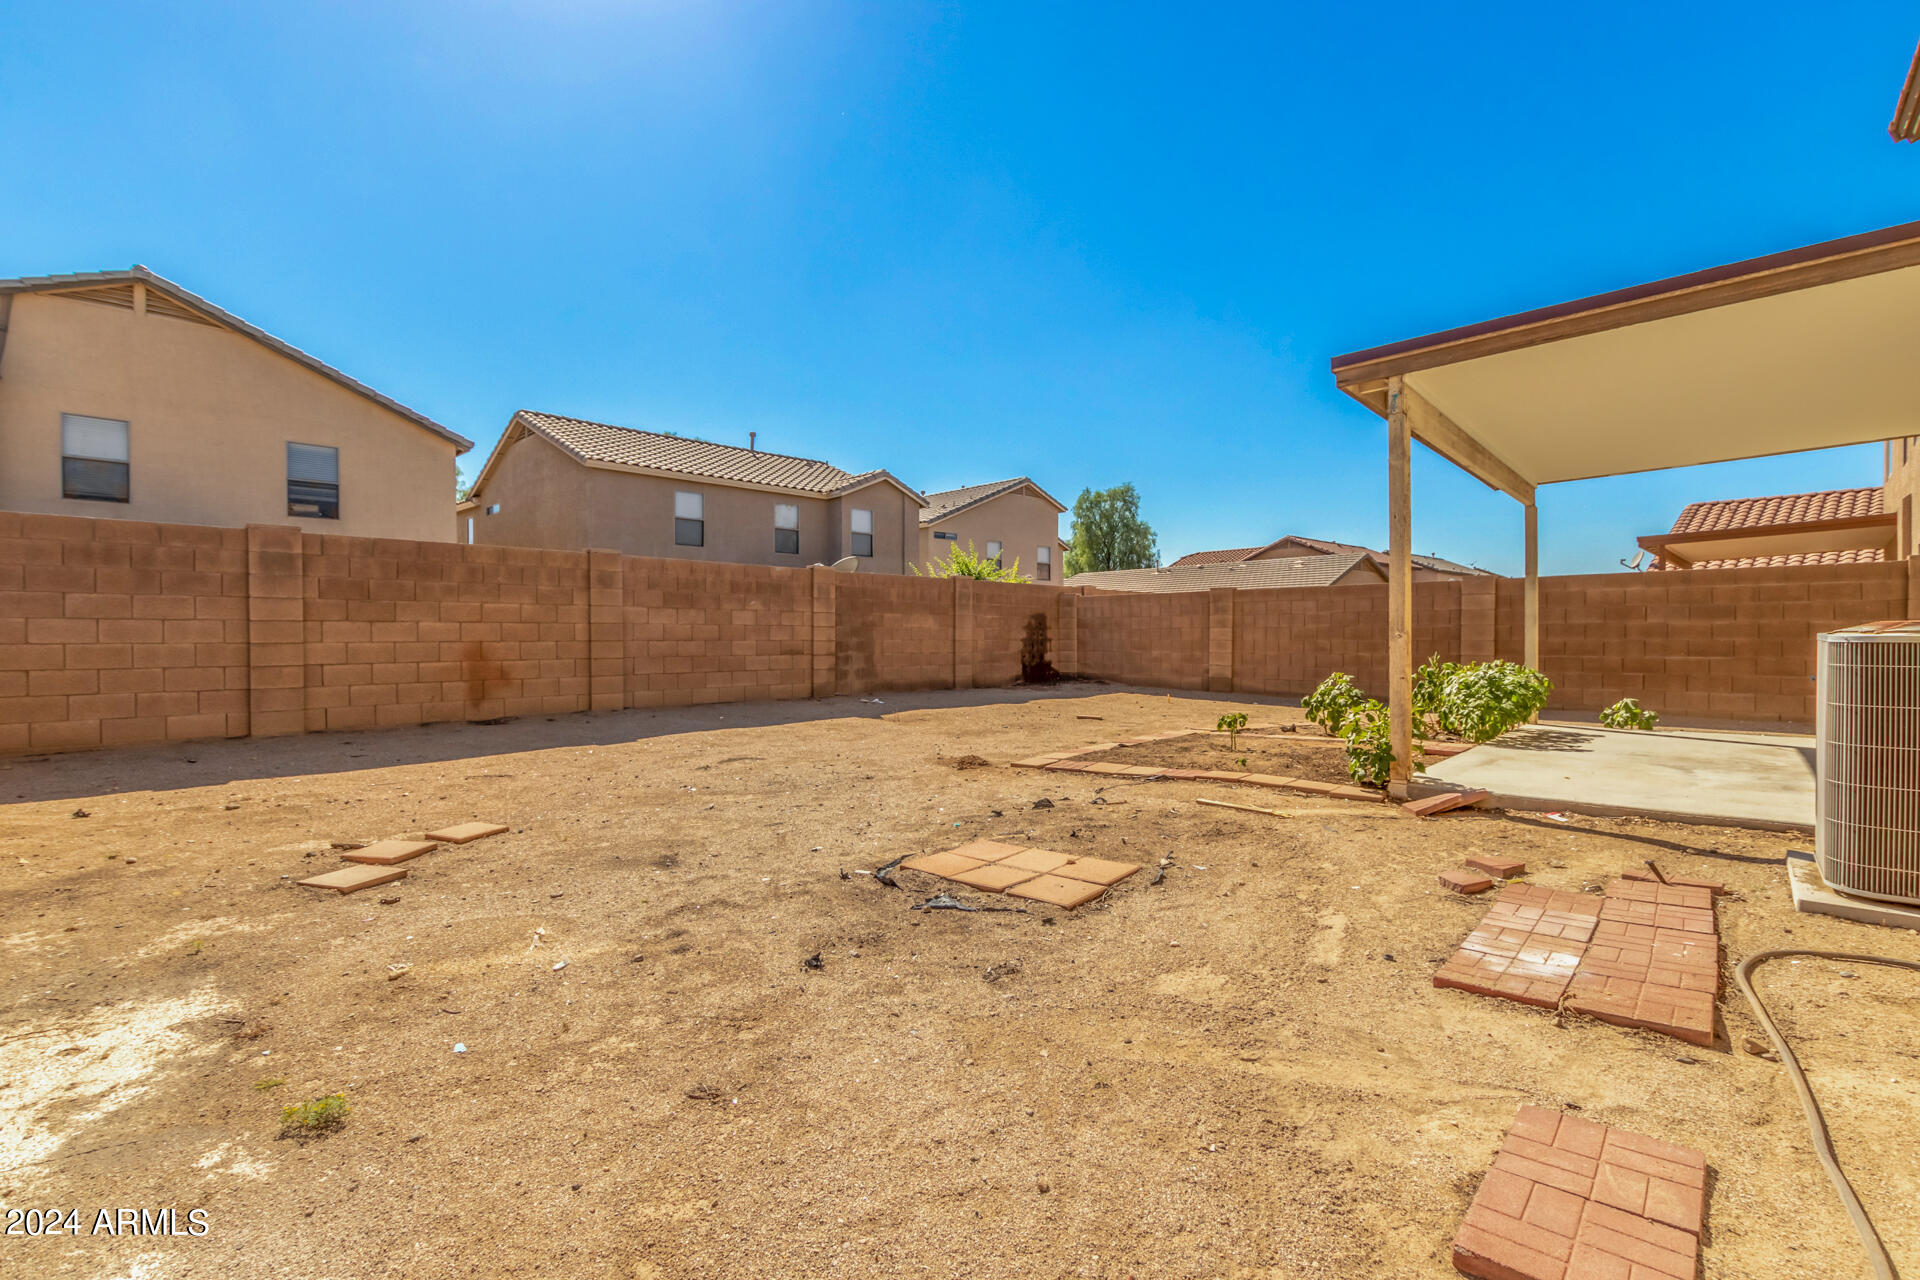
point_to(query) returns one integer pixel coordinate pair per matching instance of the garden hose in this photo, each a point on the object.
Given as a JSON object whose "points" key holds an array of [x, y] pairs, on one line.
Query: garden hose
{"points": [[1883, 1267]]}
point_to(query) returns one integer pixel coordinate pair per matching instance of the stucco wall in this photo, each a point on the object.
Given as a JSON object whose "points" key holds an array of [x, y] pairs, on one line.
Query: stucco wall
{"points": [[1021, 521], [547, 499], [1902, 492], [209, 414]]}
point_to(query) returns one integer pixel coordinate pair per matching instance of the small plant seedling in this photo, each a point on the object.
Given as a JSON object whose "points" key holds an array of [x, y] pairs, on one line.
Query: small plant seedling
{"points": [[193, 948], [1241, 761], [1628, 714], [316, 1116], [271, 1082], [1231, 724]]}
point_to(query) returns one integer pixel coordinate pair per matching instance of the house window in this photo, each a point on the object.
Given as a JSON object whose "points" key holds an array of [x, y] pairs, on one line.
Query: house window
{"points": [[786, 529], [469, 530], [689, 521], [949, 537], [862, 532], [993, 552], [493, 509], [313, 481], [1043, 564], [93, 458]]}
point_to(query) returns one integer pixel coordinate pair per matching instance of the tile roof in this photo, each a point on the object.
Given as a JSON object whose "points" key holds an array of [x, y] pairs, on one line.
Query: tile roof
{"points": [[1792, 508], [1212, 557], [945, 503], [1326, 547], [1851, 555], [142, 275], [684, 455], [1293, 571]]}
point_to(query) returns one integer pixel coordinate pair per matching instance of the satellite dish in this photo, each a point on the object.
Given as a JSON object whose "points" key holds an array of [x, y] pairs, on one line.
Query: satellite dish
{"points": [[847, 564]]}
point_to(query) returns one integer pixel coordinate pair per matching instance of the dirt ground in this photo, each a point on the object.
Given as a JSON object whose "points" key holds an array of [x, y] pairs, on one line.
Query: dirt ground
{"points": [[1295, 755], [1242, 1071]]}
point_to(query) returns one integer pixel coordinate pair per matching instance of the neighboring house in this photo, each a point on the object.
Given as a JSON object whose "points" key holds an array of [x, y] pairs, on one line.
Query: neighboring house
{"points": [[1905, 126], [1350, 569], [575, 485], [1897, 495], [124, 396], [1425, 568], [1006, 520], [1834, 526]]}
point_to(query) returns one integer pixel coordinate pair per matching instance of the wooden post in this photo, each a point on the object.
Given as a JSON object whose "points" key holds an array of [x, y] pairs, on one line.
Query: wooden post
{"points": [[1531, 624], [1399, 587]]}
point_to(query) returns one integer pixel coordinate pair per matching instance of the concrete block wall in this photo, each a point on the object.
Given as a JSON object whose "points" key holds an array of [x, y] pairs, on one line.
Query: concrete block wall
{"points": [[1002, 613], [893, 633], [701, 632], [120, 631], [1140, 638]]}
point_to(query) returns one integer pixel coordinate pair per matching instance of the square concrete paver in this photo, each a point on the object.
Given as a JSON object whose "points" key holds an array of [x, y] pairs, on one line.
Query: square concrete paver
{"points": [[466, 831], [991, 876], [1057, 890], [1100, 871], [1038, 861], [352, 879], [987, 850], [384, 853], [946, 865]]}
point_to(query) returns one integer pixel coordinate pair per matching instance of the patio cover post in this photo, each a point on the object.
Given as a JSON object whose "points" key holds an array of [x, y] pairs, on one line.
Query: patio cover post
{"points": [[1399, 586], [1531, 632]]}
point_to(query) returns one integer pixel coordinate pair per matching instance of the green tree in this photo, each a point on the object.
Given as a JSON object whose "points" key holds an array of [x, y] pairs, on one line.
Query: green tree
{"points": [[1108, 532]]}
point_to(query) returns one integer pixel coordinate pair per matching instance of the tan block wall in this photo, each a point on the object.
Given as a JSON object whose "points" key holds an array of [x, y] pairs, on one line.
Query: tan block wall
{"points": [[120, 631], [717, 633], [209, 415]]}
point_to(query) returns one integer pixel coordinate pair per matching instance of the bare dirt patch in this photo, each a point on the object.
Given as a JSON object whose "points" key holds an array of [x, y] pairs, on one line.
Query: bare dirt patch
{"points": [[1243, 1070], [1318, 759]]}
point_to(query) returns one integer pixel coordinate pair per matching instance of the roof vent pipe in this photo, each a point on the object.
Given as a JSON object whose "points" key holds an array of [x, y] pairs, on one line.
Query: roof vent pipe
{"points": [[751, 437]]}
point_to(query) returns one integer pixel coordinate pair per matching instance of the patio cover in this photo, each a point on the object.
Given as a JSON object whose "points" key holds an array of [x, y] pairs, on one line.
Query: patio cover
{"points": [[1807, 349]]}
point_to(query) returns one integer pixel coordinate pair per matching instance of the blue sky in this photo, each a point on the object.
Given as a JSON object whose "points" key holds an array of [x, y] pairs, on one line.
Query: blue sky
{"points": [[1088, 243]]}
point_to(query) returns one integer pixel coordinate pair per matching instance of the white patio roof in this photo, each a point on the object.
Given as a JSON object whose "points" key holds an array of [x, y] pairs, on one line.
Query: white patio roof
{"points": [[1801, 350]]}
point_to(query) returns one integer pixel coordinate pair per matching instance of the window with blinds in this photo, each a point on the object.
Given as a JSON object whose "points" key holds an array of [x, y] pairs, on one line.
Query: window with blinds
{"points": [[313, 481], [786, 529], [862, 532], [689, 520], [93, 458]]}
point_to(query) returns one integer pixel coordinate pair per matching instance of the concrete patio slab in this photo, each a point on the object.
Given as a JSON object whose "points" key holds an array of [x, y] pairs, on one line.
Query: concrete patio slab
{"points": [[1812, 893], [1733, 779]]}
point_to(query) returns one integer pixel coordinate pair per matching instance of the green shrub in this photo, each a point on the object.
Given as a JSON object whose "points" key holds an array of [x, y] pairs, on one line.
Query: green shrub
{"points": [[1370, 744], [1430, 696], [311, 1117], [1332, 702], [970, 564], [1482, 700], [1231, 725], [1628, 714]]}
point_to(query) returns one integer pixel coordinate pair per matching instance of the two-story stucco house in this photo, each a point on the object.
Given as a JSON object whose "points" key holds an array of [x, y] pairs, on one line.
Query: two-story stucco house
{"points": [[1003, 520], [124, 396], [570, 484]]}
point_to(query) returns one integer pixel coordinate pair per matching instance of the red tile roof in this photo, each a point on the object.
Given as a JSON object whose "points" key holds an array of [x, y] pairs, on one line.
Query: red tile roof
{"points": [[1792, 508], [1852, 555]]}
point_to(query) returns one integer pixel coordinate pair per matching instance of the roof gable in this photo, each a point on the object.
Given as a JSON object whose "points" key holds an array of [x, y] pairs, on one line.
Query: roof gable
{"points": [[1292, 571], [614, 448], [180, 303], [951, 502]]}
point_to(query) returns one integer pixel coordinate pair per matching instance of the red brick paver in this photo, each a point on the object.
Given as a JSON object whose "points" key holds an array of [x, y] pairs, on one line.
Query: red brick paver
{"points": [[1551, 1207], [1527, 947], [1428, 806], [1493, 865], [1464, 881]]}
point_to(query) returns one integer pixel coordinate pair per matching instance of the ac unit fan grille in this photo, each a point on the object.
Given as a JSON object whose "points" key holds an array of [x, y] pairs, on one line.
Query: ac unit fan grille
{"points": [[1869, 820]]}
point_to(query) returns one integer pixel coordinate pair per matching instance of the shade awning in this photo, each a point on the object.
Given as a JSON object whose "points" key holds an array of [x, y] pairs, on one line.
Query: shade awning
{"points": [[1809, 349]]}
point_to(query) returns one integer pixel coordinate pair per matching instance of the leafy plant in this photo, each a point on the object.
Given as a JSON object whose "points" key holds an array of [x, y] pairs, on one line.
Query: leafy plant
{"points": [[1628, 714], [1430, 696], [1370, 743], [329, 1112], [1231, 725], [970, 564], [1108, 532], [1329, 705], [1241, 761], [1482, 700]]}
